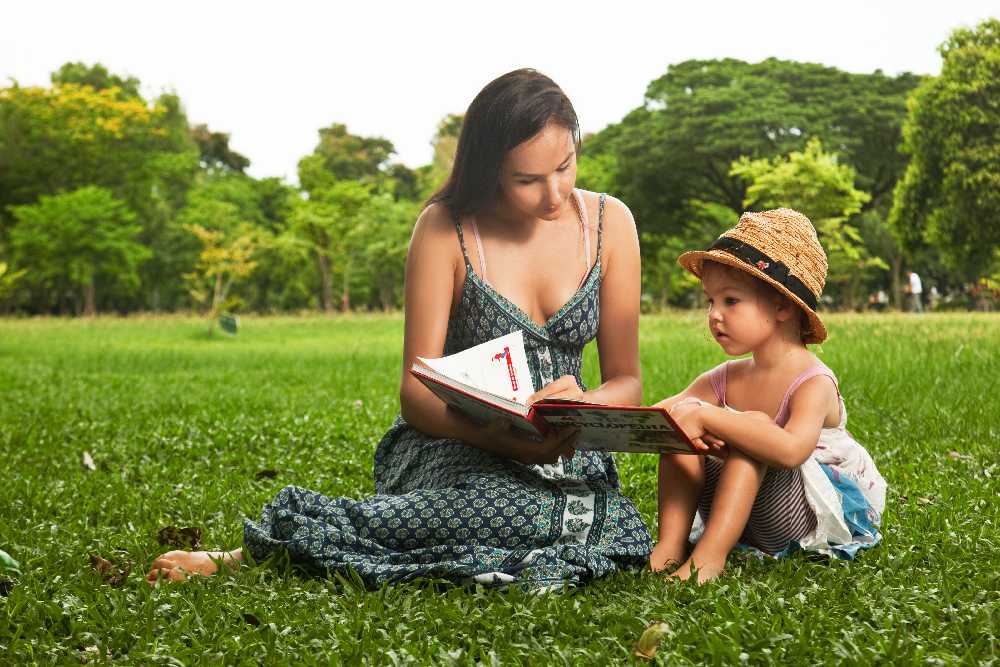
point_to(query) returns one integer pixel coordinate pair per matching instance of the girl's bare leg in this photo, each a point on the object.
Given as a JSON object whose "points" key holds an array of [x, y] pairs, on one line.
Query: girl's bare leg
{"points": [[681, 480], [735, 493], [179, 565]]}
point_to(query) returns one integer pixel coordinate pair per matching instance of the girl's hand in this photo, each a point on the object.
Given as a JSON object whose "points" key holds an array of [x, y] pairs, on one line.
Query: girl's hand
{"points": [[564, 387], [707, 443], [507, 442], [689, 417]]}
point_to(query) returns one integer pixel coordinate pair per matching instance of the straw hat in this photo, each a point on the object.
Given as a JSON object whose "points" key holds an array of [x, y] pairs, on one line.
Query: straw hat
{"points": [[779, 247]]}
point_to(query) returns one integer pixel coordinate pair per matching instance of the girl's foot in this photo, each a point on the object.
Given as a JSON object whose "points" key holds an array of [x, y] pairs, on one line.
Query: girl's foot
{"points": [[707, 570], [665, 558], [179, 565]]}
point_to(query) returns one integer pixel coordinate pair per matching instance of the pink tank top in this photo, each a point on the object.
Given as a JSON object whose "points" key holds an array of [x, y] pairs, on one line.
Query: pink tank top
{"points": [[721, 372]]}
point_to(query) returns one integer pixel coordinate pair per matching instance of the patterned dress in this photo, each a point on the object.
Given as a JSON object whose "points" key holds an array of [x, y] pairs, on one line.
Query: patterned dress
{"points": [[447, 510]]}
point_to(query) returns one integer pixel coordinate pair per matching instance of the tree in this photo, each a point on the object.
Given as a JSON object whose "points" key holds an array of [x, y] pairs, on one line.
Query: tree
{"points": [[815, 183], [949, 198], [77, 241], [325, 222], [224, 258], [97, 77], [216, 155], [342, 156], [703, 114], [8, 282]]}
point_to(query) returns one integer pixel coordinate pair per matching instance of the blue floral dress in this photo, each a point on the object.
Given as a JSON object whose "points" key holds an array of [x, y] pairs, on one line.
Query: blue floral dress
{"points": [[447, 510]]}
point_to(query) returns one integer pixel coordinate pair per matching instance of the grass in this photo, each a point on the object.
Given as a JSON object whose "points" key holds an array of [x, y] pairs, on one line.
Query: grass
{"points": [[179, 425]]}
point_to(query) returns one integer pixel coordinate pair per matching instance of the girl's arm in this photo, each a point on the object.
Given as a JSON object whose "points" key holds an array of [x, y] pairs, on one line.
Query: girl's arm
{"points": [[433, 265], [765, 441], [618, 332]]}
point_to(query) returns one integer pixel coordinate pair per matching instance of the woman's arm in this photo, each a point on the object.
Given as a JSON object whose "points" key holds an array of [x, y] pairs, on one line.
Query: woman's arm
{"points": [[618, 332], [764, 440], [433, 266]]}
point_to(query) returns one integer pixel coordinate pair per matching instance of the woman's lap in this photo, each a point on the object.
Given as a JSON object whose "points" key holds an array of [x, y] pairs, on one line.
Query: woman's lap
{"points": [[445, 509]]}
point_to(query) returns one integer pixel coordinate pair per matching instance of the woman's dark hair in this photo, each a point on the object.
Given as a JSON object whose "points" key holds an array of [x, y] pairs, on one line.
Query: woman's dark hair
{"points": [[507, 112]]}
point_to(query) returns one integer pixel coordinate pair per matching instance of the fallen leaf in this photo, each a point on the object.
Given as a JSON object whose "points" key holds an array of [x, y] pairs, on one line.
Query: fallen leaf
{"points": [[113, 575], [182, 538], [958, 456], [88, 461], [924, 500], [102, 565], [267, 473], [649, 641]]}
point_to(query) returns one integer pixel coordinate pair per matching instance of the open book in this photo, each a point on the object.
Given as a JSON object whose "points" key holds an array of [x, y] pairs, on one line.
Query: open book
{"points": [[492, 381]]}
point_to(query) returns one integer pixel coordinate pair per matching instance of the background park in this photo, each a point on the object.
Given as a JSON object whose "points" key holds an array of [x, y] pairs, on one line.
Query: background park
{"points": [[126, 229]]}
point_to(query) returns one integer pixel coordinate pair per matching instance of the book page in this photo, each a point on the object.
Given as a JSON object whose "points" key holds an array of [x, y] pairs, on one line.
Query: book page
{"points": [[499, 367], [617, 428]]}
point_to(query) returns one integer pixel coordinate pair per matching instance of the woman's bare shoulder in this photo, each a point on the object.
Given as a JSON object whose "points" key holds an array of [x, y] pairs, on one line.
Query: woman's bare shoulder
{"points": [[435, 228]]}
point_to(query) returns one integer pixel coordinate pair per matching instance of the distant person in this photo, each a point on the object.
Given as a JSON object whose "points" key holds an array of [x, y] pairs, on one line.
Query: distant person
{"points": [[780, 469], [914, 292], [933, 298], [879, 300], [508, 244]]}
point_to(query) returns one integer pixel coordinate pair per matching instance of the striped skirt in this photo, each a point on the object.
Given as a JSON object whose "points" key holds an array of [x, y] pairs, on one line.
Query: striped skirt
{"points": [[780, 512]]}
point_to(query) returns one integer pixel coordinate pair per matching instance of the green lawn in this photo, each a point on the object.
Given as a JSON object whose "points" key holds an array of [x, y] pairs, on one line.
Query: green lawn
{"points": [[179, 425]]}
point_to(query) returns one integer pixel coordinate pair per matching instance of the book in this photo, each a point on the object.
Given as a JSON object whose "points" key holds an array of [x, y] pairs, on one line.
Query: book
{"points": [[492, 381]]}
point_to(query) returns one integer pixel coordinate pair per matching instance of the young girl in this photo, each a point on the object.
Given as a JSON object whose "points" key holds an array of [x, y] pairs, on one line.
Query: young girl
{"points": [[780, 470]]}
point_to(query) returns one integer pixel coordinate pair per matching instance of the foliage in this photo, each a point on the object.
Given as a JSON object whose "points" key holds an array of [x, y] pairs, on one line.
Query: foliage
{"points": [[816, 184], [77, 241], [97, 77], [215, 151], [179, 428], [342, 156], [8, 281], [701, 115], [949, 197], [69, 136], [226, 256]]}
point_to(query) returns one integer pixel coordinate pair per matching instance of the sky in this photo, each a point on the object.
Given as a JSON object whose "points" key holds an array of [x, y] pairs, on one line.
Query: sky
{"points": [[271, 74]]}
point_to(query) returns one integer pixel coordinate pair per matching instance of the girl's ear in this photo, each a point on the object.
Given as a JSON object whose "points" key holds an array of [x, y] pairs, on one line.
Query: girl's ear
{"points": [[786, 309]]}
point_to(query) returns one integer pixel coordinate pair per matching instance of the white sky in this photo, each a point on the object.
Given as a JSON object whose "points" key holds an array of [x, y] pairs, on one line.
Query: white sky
{"points": [[272, 73]]}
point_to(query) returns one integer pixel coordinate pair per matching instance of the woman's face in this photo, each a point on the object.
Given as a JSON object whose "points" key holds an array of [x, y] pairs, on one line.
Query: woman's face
{"points": [[538, 175]]}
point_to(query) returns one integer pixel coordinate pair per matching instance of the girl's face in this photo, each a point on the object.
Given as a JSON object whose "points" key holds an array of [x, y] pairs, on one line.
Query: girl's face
{"points": [[538, 176], [741, 316]]}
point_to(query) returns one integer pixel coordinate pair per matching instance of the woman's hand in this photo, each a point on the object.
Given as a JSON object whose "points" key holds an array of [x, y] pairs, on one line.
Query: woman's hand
{"points": [[565, 387], [507, 442]]}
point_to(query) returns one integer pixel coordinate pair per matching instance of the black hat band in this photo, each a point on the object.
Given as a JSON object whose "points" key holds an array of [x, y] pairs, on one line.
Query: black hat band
{"points": [[772, 269]]}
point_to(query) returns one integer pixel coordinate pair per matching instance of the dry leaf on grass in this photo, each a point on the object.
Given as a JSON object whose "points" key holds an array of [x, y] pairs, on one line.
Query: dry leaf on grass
{"points": [[182, 538], [112, 574], [649, 641], [88, 461]]}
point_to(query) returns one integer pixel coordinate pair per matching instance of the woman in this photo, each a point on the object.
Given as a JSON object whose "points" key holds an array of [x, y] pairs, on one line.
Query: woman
{"points": [[508, 243]]}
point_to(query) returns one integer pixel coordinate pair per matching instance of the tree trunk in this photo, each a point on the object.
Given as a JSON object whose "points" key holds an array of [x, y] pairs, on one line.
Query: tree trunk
{"points": [[326, 281], [897, 282], [345, 297], [89, 300]]}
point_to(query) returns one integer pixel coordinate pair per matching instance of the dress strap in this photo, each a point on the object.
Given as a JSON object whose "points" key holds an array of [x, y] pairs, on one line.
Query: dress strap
{"points": [[781, 418], [461, 242], [582, 208], [479, 249], [601, 201], [718, 377]]}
